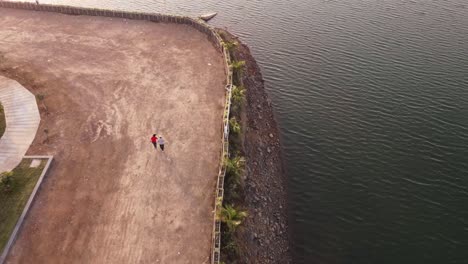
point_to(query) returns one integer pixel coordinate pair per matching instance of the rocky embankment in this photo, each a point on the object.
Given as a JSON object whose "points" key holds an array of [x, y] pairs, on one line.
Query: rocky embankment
{"points": [[264, 236]]}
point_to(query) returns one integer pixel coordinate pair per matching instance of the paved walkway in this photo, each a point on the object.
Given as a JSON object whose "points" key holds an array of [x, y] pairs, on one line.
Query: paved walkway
{"points": [[22, 121]]}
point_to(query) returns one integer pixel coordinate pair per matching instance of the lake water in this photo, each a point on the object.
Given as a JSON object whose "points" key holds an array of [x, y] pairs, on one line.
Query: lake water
{"points": [[372, 102]]}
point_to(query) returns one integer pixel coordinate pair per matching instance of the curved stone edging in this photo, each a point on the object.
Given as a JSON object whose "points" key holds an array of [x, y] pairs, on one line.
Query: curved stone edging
{"points": [[217, 41], [22, 121]]}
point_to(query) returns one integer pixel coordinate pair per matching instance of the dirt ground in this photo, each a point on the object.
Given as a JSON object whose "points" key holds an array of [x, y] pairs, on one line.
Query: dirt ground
{"points": [[108, 84]]}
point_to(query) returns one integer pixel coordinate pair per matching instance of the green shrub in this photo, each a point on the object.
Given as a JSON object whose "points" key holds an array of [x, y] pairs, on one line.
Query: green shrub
{"points": [[234, 126], [230, 45], [238, 95], [232, 217], [234, 167], [237, 98], [234, 171], [237, 65], [222, 34], [6, 181]]}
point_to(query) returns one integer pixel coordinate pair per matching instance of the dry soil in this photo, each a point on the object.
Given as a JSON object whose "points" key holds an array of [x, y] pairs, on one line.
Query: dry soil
{"points": [[108, 84]]}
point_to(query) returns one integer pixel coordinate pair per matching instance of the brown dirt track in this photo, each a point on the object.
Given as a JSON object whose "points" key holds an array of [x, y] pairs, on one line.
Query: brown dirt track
{"points": [[108, 85]]}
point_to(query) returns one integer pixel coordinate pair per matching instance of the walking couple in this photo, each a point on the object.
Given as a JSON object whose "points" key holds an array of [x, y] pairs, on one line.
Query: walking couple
{"points": [[155, 140]]}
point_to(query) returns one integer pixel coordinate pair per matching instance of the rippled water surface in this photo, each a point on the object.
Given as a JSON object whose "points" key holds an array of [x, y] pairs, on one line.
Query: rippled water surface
{"points": [[372, 99]]}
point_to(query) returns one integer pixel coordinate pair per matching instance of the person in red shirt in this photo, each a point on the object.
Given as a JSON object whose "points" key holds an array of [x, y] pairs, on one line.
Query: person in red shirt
{"points": [[154, 140]]}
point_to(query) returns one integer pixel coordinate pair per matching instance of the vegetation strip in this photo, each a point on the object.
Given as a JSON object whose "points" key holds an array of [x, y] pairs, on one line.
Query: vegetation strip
{"points": [[263, 236], [18, 189], [2, 121], [231, 215]]}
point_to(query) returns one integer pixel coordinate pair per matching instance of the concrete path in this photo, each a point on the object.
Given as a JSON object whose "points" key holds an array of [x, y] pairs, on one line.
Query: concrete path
{"points": [[22, 121]]}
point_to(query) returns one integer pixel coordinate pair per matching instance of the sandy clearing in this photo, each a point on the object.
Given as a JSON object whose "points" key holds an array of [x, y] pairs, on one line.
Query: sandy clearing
{"points": [[108, 85]]}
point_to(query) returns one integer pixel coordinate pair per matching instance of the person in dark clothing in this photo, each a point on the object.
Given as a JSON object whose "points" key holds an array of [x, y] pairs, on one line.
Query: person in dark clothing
{"points": [[161, 143], [154, 140]]}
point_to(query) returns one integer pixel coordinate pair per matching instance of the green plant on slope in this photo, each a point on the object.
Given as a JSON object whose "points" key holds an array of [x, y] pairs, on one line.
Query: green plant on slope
{"points": [[234, 166], [234, 171], [237, 65], [222, 34], [234, 126], [237, 96], [230, 45], [232, 217]]}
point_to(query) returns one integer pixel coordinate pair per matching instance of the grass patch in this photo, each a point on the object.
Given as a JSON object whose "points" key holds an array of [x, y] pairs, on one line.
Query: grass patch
{"points": [[14, 194], [2, 121]]}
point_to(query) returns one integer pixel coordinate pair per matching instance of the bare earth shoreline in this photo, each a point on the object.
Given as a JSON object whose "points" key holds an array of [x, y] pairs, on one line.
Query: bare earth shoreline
{"points": [[108, 84]]}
